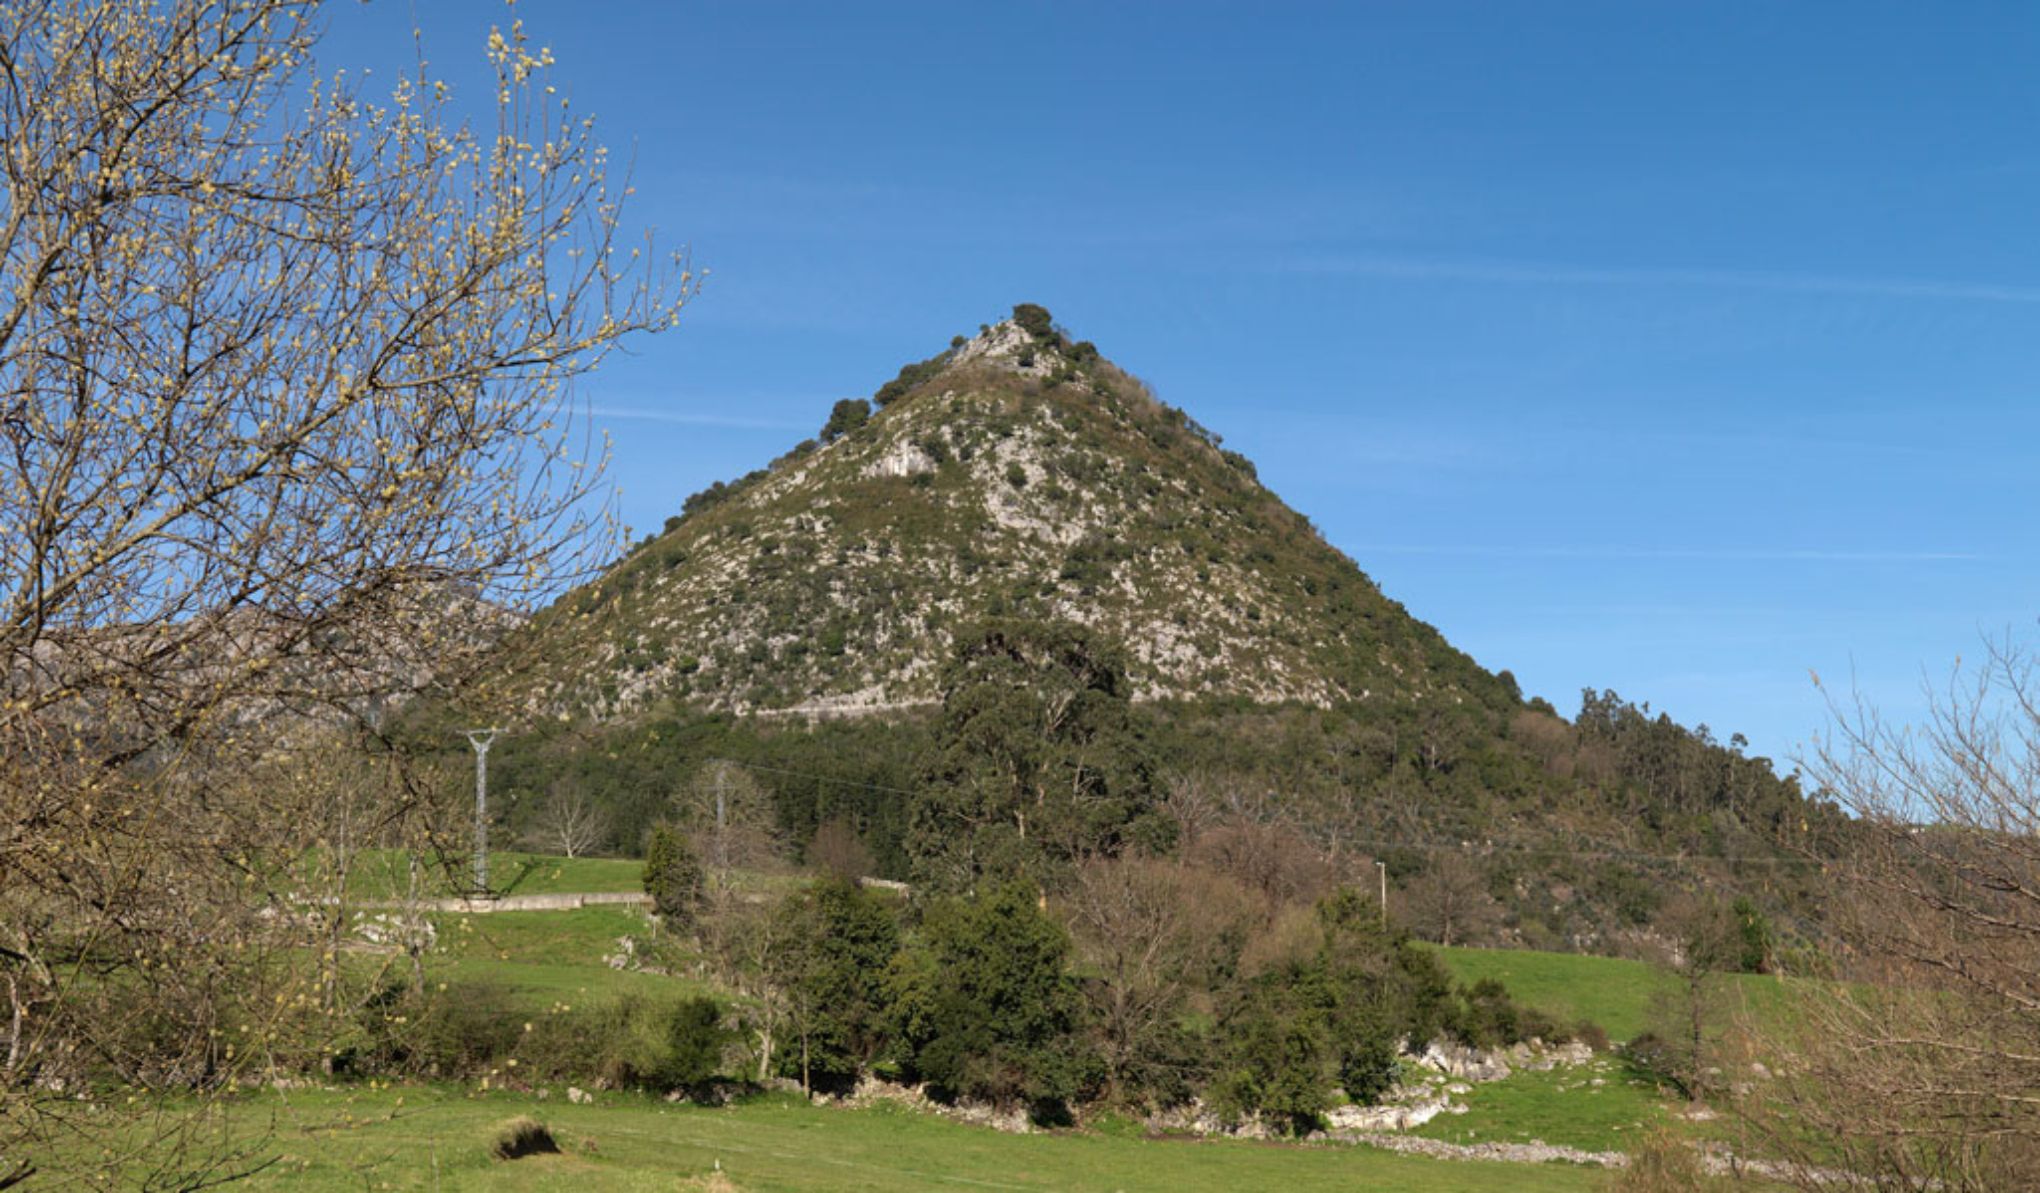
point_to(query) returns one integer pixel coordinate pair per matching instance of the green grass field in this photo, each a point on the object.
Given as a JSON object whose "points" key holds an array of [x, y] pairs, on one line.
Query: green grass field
{"points": [[1610, 991], [1561, 1106], [438, 1139], [385, 874], [537, 958], [1568, 986]]}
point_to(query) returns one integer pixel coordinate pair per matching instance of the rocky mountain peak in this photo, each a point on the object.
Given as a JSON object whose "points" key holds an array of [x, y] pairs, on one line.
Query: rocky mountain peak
{"points": [[1018, 473], [1006, 345]]}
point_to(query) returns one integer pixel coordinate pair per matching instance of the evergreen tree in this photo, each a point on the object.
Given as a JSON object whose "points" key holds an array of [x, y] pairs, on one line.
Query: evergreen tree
{"points": [[673, 876], [1035, 320], [1038, 757], [985, 1006], [846, 416], [832, 970]]}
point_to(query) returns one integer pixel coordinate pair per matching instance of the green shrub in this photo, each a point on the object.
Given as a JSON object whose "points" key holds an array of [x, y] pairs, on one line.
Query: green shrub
{"points": [[847, 416], [1277, 1064], [463, 1030], [909, 377], [1659, 1059], [631, 1042], [1035, 320], [695, 1037], [985, 1007], [673, 876], [1367, 1058], [1490, 1017], [522, 1137], [452, 1032]]}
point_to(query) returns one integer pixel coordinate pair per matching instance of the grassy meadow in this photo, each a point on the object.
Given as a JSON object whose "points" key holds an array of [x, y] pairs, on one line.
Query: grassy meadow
{"points": [[434, 1138], [377, 874], [1610, 991]]}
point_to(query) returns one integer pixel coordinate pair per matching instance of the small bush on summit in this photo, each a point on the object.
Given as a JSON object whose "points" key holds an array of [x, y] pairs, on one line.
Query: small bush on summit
{"points": [[1035, 320]]}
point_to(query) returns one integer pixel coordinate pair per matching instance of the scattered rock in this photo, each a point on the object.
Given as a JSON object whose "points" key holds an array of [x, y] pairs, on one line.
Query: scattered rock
{"points": [[1467, 1064], [903, 458], [1551, 1056], [1390, 1117], [579, 1096], [1520, 1153]]}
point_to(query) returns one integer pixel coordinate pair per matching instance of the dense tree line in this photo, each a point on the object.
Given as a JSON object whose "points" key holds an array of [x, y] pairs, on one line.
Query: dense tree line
{"points": [[1262, 1009], [1497, 822]]}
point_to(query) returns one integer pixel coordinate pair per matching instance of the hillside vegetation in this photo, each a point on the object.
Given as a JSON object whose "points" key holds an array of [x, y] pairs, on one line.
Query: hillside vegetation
{"points": [[821, 626], [1016, 473]]}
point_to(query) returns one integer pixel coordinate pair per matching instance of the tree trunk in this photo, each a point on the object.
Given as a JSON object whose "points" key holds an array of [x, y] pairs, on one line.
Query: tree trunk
{"points": [[14, 1028], [765, 1050]]}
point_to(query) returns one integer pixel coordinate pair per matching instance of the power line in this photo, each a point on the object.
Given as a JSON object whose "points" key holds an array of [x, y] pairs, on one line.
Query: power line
{"points": [[1380, 845], [1597, 854], [780, 770]]}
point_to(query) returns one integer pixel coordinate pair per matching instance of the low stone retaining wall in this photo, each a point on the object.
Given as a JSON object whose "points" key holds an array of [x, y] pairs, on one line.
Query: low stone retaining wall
{"points": [[561, 902]]}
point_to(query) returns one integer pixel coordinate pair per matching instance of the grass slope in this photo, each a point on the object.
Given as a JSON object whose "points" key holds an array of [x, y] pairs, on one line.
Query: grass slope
{"points": [[385, 874], [533, 959], [428, 1138], [1561, 1106], [1568, 986], [1610, 991]]}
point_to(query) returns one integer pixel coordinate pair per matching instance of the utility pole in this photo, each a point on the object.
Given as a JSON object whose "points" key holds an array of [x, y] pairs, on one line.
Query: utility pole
{"points": [[480, 740], [1382, 867], [722, 853]]}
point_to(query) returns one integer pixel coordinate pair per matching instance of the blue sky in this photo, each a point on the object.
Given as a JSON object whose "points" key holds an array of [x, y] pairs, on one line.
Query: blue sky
{"points": [[1675, 348]]}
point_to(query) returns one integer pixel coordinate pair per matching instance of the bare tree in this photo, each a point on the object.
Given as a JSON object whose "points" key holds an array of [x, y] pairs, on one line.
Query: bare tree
{"points": [[284, 435], [743, 939], [1919, 1070], [730, 814], [1195, 803], [1449, 902], [1153, 932], [839, 852], [1689, 1015], [1273, 858], [568, 822]]}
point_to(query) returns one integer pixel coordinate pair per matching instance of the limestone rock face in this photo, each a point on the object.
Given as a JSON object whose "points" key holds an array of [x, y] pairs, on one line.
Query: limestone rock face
{"points": [[1016, 473]]}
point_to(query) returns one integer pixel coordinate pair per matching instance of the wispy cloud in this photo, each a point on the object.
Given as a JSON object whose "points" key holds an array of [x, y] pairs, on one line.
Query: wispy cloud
{"points": [[1559, 274], [686, 419], [1729, 554]]}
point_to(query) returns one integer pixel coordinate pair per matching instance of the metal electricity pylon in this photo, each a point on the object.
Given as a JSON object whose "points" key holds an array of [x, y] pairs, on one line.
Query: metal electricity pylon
{"points": [[480, 739]]}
